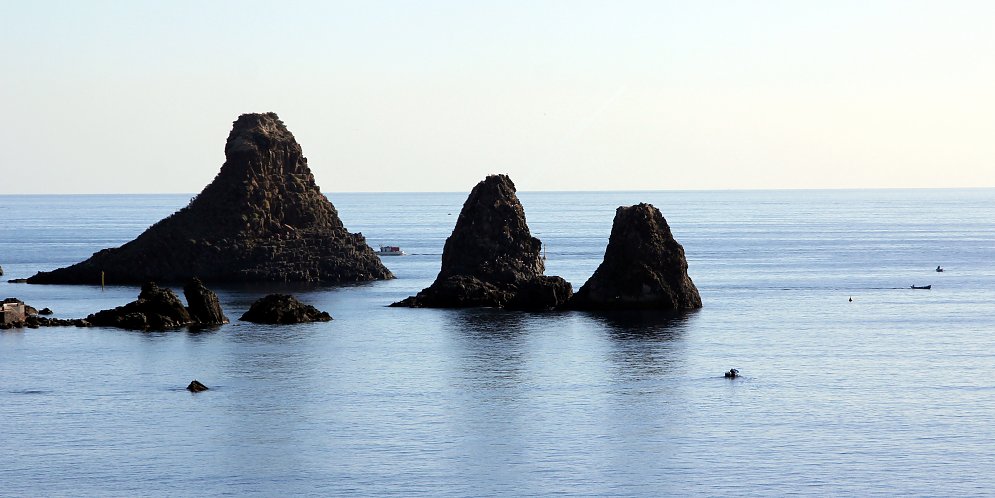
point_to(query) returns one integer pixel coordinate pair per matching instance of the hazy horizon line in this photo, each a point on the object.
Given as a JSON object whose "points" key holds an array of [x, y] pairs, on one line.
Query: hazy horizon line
{"points": [[773, 189]]}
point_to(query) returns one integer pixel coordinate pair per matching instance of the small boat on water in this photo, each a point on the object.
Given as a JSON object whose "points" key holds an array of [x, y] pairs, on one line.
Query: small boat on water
{"points": [[925, 287], [390, 251]]}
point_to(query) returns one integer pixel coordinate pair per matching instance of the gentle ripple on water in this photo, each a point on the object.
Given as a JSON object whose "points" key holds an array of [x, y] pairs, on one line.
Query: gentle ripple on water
{"points": [[885, 395]]}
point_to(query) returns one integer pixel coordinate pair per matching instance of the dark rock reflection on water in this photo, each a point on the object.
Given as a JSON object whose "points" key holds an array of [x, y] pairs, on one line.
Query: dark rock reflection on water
{"points": [[644, 325], [643, 345]]}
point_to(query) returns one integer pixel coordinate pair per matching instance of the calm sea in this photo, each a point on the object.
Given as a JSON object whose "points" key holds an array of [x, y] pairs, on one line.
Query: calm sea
{"points": [[892, 393]]}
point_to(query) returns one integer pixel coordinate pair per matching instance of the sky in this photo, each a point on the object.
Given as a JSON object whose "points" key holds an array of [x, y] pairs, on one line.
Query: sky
{"points": [[139, 96]]}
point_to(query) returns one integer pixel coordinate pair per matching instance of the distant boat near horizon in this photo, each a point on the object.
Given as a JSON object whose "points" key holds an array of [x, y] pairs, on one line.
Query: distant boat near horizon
{"points": [[923, 287], [391, 251]]}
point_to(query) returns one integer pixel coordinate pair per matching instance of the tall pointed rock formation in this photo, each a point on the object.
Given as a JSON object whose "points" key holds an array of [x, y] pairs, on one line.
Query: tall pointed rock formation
{"points": [[644, 267], [262, 219], [491, 259]]}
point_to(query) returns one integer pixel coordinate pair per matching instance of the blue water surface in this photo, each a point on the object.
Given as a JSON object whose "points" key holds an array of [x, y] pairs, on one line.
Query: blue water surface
{"points": [[887, 394]]}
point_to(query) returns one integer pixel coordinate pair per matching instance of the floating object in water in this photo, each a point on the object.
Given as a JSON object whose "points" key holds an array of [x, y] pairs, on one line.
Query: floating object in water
{"points": [[851, 299], [924, 287], [938, 269], [196, 387], [732, 373]]}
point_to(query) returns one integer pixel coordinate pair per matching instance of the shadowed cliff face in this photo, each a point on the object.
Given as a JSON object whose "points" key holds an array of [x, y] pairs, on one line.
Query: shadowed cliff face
{"points": [[263, 218], [491, 258], [491, 240], [644, 267], [265, 184]]}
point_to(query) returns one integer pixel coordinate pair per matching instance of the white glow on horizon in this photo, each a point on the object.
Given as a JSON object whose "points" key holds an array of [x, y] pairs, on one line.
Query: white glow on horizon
{"points": [[433, 96]]}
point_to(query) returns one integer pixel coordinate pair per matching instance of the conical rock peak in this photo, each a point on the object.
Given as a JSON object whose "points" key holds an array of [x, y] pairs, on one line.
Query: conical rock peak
{"points": [[644, 267], [262, 219], [491, 258]]}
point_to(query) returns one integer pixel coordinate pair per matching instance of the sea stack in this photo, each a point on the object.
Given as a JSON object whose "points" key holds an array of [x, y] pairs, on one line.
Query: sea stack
{"points": [[491, 259], [203, 304], [262, 219], [644, 267]]}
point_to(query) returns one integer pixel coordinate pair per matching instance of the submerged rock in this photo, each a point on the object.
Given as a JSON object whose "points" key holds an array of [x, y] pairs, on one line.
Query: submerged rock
{"points": [[283, 309], [196, 387], [263, 218], [491, 258], [644, 267], [203, 304]]}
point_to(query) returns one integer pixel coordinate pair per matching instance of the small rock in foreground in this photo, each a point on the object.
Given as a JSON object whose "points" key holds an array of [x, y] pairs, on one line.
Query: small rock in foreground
{"points": [[283, 309]]}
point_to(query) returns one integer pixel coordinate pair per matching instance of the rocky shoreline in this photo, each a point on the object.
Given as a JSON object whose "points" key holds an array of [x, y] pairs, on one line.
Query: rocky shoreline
{"points": [[159, 308], [15, 314]]}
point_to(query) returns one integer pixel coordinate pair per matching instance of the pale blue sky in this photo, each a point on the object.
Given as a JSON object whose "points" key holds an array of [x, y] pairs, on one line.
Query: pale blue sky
{"points": [[130, 96]]}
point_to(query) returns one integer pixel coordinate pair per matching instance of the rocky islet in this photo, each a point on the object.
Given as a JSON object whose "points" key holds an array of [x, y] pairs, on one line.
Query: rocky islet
{"points": [[159, 308], [283, 309], [644, 267], [262, 219], [491, 258]]}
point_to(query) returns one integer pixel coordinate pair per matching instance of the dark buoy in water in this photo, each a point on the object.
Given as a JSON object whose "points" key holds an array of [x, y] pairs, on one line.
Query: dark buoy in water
{"points": [[196, 387], [938, 268], [732, 373], [851, 299]]}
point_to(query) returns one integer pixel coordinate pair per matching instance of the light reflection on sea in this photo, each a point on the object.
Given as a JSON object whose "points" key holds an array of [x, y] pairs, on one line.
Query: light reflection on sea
{"points": [[887, 394]]}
